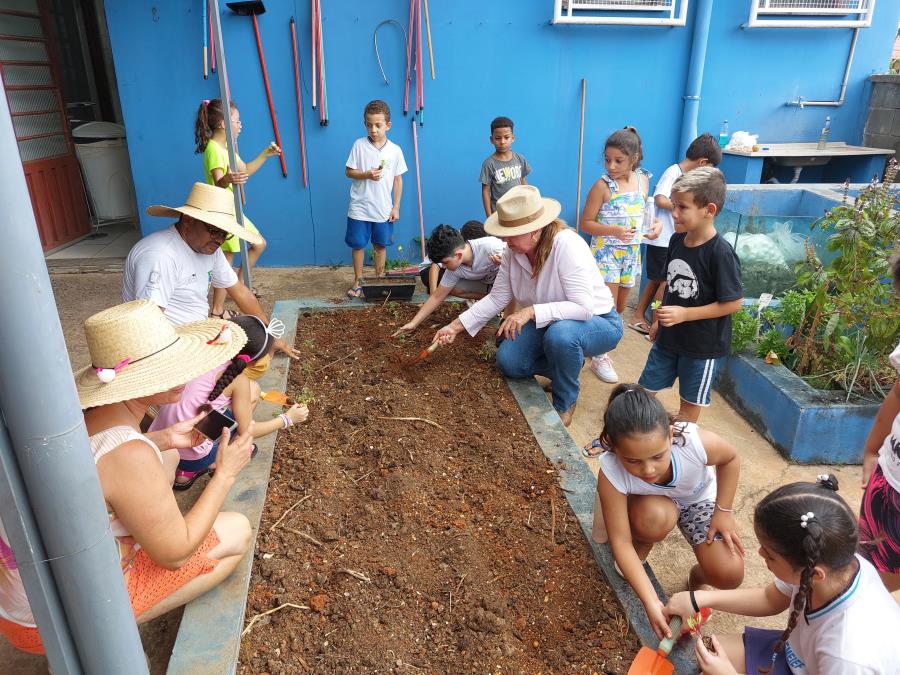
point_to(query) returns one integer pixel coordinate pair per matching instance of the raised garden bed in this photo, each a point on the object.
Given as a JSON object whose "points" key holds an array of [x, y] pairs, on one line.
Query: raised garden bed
{"points": [[439, 546], [807, 425]]}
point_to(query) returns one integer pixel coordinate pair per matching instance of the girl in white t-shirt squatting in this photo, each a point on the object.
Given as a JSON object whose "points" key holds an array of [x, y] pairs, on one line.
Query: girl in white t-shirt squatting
{"points": [[658, 473], [843, 621]]}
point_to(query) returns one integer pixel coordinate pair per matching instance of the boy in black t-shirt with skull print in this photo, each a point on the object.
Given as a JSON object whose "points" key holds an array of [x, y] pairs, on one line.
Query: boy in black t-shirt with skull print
{"points": [[692, 330]]}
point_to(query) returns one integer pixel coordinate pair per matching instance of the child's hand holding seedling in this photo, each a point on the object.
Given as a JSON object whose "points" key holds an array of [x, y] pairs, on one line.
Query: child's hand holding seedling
{"points": [[271, 150], [297, 413], [655, 305], [375, 174], [669, 315]]}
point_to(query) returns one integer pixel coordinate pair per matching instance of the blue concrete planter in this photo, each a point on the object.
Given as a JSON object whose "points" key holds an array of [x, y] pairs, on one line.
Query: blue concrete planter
{"points": [[807, 425]]}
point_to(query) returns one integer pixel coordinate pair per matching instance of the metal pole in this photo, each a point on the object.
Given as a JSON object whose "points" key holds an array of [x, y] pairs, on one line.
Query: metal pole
{"points": [[695, 75], [50, 454], [225, 96]]}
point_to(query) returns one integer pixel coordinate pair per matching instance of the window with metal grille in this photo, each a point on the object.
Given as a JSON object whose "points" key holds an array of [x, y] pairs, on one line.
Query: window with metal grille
{"points": [[811, 13], [621, 12]]}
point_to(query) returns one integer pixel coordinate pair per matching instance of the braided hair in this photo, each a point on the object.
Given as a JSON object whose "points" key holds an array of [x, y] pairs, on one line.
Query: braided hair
{"points": [[210, 115], [259, 343], [829, 537], [631, 409]]}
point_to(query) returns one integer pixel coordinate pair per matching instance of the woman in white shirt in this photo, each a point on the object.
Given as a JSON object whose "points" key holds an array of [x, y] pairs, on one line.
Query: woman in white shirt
{"points": [[567, 312]]}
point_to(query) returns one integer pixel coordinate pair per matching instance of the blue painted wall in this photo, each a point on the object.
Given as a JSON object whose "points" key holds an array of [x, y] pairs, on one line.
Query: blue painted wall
{"points": [[492, 58]]}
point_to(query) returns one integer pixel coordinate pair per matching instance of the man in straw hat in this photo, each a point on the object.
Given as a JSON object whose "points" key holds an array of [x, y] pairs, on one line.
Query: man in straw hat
{"points": [[567, 311], [138, 358], [175, 267]]}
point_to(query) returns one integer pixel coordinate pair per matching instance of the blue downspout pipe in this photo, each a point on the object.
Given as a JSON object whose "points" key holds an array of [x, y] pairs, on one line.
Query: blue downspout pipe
{"points": [[694, 84]]}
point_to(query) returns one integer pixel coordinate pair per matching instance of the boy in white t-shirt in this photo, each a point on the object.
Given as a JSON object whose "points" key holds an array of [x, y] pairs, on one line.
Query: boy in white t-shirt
{"points": [[375, 166], [703, 151], [470, 268], [842, 619]]}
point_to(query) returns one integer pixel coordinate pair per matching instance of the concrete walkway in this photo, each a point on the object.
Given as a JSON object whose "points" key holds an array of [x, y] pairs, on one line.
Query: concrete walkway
{"points": [[762, 468]]}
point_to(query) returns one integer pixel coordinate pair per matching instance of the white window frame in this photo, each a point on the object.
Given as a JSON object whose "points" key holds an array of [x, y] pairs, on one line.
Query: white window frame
{"points": [[574, 13], [763, 15]]}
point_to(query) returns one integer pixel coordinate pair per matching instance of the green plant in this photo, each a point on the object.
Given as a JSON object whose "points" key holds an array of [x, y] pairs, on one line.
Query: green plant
{"points": [[488, 350], [772, 341], [744, 330], [306, 396], [846, 316]]}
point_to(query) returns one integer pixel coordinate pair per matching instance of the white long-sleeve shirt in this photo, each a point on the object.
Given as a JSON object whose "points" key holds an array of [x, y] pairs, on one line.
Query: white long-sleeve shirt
{"points": [[569, 286]]}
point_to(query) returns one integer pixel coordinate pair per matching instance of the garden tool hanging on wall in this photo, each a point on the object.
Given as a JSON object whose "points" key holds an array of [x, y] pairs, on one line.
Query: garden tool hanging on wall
{"points": [[253, 8]]}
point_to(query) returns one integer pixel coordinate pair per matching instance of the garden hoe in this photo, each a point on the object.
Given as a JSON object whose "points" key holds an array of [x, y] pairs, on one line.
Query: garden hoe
{"points": [[252, 8], [650, 662]]}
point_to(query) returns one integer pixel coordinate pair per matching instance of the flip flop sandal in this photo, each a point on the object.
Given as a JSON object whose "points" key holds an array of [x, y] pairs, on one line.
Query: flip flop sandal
{"points": [[226, 315], [192, 476], [594, 449], [641, 327], [355, 292]]}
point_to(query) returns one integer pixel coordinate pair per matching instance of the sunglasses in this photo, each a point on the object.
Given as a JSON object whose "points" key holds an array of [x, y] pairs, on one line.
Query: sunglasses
{"points": [[216, 233]]}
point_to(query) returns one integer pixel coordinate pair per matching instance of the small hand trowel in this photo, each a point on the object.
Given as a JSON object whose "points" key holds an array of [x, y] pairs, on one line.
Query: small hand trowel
{"points": [[650, 662], [424, 354], [277, 397]]}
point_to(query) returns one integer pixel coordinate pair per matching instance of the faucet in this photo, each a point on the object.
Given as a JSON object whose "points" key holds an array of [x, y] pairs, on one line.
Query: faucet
{"points": [[798, 102]]}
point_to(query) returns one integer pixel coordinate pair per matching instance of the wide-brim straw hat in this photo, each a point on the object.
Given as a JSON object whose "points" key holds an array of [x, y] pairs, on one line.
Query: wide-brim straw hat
{"points": [[521, 210], [143, 354], [214, 206]]}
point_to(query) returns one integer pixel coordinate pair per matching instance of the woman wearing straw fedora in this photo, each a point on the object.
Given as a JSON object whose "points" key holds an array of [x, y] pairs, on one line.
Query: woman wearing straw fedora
{"points": [[137, 359], [567, 312]]}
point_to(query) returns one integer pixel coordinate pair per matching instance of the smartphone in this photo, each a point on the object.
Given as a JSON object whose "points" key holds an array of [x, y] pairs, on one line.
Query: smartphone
{"points": [[214, 424]]}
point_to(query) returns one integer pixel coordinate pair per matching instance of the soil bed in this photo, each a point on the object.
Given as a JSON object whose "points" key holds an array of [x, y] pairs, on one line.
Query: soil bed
{"points": [[416, 546]]}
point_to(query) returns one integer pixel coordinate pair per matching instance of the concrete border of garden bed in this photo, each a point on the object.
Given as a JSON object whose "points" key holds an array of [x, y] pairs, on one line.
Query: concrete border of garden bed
{"points": [[209, 637], [806, 425]]}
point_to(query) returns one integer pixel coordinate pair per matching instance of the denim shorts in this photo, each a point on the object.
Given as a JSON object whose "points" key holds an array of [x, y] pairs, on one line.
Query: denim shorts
{"points": [[695, 376], [361, 232]]}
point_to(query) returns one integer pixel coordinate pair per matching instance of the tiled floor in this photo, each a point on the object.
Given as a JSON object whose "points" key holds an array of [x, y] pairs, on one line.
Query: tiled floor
{"points": [[119, 240]]}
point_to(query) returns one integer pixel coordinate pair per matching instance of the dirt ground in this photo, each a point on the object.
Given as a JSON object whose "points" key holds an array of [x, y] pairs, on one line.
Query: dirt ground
{"points": [[763, 469], [417, 520]]}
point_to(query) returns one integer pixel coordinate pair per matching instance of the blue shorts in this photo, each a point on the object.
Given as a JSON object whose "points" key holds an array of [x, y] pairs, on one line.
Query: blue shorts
{"points": [[360, 232], [759, 644], [695, 376]]}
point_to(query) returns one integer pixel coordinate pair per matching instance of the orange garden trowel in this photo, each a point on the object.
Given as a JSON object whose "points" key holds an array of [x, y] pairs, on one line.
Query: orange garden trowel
{"points": [[650, 662], [277, 397], [424, 354]]}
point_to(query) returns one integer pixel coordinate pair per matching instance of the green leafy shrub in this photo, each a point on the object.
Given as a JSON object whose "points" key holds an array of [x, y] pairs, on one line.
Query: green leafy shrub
{"points": [[744, 330]]}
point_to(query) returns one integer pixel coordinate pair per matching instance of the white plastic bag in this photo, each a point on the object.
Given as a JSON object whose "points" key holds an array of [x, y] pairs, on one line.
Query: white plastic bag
{"points": [[742, 140], [756, 248], [792, 245]]}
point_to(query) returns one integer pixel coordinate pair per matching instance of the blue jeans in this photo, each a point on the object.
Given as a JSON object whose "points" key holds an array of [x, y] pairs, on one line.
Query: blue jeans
{"points": [[557, 352]]}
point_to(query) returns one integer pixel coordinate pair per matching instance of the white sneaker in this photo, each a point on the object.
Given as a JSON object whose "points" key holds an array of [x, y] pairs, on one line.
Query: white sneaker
{"points": [[602, 367]]}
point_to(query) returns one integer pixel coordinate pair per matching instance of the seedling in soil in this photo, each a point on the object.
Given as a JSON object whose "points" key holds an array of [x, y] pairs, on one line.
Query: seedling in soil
{"points": [[488, 351], [306, 396], [309, 344], [393, 308]]}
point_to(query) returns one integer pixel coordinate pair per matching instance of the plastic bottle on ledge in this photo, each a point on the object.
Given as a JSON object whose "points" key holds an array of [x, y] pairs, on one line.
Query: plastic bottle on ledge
{"points": [[823, 137], [723, 134]]}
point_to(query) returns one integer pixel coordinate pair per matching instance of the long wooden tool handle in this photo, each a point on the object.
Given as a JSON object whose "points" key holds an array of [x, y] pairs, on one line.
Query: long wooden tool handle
{"points": [[580, 155]]}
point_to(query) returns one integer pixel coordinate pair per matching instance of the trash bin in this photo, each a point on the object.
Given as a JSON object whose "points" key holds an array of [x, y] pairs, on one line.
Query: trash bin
{"points": [[103, 156]]}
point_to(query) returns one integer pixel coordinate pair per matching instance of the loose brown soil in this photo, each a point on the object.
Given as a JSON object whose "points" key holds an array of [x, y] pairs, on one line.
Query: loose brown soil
{"points": [[416, 546]]}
